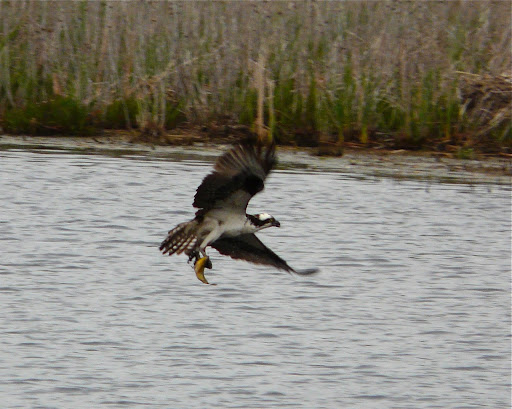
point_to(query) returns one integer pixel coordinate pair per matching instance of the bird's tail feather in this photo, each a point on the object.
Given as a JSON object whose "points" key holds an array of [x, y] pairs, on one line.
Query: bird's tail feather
{"points": [[180, 239]]}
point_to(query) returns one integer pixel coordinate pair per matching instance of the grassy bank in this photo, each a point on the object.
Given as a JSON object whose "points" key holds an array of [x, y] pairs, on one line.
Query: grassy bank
{"points": [[401, 74]]}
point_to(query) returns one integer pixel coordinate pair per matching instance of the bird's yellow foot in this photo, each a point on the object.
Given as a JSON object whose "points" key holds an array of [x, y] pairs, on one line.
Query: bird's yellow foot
{"points": [[199, 267]]}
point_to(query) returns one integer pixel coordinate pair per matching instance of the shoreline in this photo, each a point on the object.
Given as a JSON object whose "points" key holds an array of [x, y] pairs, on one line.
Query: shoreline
{"points": [[360, 162]]}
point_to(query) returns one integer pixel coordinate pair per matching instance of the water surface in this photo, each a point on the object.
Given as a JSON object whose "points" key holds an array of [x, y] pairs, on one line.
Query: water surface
{"points": [[411, 308]]}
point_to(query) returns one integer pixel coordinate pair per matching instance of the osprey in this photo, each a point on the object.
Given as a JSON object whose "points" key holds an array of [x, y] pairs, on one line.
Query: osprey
{"points": [[221, 221]]}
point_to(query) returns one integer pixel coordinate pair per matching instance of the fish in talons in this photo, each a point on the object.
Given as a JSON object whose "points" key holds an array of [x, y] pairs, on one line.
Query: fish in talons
{"points": [[199, 266]]}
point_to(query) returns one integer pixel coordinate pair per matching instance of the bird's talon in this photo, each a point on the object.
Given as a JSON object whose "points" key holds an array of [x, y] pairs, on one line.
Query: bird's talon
{"points": [[192, 256]]}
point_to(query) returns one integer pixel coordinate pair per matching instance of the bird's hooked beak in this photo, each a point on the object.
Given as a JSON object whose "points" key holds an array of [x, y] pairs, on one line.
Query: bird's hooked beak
{"points": [[276, 223]]}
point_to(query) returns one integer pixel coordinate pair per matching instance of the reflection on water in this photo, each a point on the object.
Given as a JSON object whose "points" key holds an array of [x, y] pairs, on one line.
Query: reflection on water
{"points": [[411, 308]]}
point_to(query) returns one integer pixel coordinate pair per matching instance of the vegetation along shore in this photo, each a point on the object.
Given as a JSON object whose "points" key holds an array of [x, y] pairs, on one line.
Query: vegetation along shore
{"points": [[386, 74]]}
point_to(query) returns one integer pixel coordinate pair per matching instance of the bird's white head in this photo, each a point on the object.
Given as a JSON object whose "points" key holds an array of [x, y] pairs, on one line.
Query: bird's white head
{"points": [[263, 220]]}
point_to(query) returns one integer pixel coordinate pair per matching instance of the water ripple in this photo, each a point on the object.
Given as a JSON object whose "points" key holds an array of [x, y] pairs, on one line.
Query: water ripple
{"points": [[411, 307]]}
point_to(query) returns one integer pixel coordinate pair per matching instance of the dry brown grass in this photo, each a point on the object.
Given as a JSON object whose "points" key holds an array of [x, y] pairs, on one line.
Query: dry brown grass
{"points": [[373, 69]]}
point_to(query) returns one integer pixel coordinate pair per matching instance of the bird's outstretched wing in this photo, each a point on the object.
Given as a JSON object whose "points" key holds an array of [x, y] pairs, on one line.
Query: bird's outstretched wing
{"points": [[249, 248], [237, 176]]}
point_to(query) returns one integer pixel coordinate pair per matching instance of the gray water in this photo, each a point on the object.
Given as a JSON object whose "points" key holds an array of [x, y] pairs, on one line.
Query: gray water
{"points": [[411, 308]]}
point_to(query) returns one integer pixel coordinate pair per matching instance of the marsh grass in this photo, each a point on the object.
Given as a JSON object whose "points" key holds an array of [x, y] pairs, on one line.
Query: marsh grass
{"points": [[60, 115], [364, 72]]}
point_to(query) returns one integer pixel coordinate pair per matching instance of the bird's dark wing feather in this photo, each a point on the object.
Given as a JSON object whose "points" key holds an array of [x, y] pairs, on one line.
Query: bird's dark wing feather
{"points": [[238, 175], [249, 248]]}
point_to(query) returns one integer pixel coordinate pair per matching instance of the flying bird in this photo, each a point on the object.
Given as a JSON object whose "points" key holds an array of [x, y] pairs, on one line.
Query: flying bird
{"points": [[221, 221]]}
